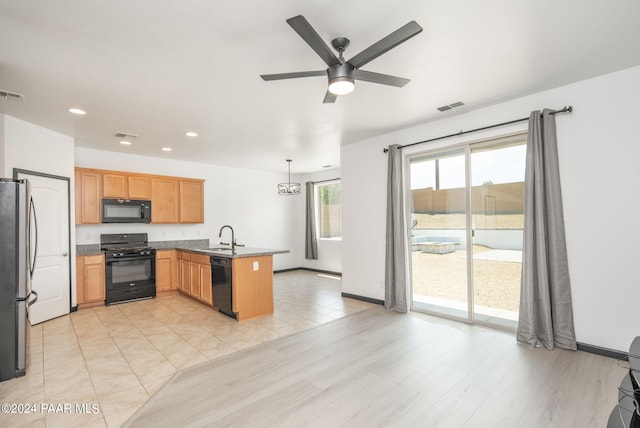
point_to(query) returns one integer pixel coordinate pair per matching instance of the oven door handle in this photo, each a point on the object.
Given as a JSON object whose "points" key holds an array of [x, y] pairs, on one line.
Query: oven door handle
{"points": [[129, 259]]}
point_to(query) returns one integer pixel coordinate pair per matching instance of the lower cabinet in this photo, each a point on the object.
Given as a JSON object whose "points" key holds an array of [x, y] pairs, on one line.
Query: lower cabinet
{"points": [[166, 271], [194, 271], [252, 286], [90, 279], [184, 272]]}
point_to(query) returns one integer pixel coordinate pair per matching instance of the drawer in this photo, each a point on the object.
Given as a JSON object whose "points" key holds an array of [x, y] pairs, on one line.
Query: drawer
{"points": [[183, 255], [201, 259], [94, 260], [163, 254]]}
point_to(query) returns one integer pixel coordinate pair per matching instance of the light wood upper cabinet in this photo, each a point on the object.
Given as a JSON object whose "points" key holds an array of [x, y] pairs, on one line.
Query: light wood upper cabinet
{"points": [[90, 279], [165, 193], [88, 193], [126, 186], [114, 185], [173, 199], [139, 187], [191, 201]]}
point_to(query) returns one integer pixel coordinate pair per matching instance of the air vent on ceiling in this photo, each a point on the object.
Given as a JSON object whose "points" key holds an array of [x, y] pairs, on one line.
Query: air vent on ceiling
{"points": [[124, 135], [11, 96], [451, 106]]}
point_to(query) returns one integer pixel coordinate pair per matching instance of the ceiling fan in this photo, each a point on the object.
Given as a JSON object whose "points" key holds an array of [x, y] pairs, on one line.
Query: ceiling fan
{"points": [[341, 73]]}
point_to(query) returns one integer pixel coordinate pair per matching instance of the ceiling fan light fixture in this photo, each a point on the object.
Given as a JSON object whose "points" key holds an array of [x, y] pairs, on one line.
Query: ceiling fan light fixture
{"points": [[341, 85], [341, 80]]}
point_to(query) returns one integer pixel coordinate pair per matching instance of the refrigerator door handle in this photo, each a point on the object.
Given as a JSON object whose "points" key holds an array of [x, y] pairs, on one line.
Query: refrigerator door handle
{"points": [[35, 299], [32, 263]]}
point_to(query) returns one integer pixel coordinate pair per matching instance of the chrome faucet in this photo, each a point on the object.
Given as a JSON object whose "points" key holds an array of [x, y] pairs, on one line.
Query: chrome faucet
{"points": [[233, 239]]}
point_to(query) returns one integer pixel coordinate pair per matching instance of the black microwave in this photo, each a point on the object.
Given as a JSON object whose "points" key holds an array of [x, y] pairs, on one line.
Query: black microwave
{"points": [[126, 211]]}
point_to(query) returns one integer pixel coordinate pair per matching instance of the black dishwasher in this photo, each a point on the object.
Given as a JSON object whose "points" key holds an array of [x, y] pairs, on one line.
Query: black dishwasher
{"points": [[221, 285]]}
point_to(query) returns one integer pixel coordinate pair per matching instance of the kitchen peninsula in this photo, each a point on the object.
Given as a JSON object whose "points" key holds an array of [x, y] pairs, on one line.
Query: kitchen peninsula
{"points": [[237, 282]]}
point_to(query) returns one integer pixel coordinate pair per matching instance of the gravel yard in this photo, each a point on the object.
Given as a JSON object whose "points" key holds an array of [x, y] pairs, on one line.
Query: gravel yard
{"points": [[496, 283]]}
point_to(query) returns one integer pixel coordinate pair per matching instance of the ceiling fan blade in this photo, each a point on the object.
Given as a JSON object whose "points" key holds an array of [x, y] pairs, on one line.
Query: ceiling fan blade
{"points": [[402, 34], [384, 79], [313, 39], [294, 75], [329, 98]]}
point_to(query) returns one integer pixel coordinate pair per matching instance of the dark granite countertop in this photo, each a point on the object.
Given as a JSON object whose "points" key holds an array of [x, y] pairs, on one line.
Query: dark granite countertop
{"points": [[199, 246], [223, 251], [88, 250], [182, 244]]}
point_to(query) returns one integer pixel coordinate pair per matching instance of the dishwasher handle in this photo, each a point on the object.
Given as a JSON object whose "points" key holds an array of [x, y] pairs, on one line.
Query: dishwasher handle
{"points": [[220, 261]]}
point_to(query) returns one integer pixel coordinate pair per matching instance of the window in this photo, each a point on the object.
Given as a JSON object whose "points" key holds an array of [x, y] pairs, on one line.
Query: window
{"points": [[329, 210]]}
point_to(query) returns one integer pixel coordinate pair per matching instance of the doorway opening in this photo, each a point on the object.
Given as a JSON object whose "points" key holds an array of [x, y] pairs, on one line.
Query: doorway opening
{"points": [[466, 231]]}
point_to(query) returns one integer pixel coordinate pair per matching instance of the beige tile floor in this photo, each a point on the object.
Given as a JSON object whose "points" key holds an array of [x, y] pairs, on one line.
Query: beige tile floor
{"points": [[112, 359]]}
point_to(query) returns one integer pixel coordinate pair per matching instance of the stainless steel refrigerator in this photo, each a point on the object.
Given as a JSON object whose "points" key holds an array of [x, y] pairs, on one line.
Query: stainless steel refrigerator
{"points": [[18, 247]]}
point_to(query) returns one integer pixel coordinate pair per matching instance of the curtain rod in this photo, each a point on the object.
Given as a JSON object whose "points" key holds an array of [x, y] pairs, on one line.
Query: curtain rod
{"points": [[324, 181], [568, 109]]}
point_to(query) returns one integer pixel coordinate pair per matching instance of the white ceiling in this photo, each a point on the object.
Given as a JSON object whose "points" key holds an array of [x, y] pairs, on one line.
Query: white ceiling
{"points": [[160, 68]]}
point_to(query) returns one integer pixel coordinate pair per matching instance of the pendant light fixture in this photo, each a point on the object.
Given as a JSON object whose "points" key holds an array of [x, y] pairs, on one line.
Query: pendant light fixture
{"points": [[289, 188]]}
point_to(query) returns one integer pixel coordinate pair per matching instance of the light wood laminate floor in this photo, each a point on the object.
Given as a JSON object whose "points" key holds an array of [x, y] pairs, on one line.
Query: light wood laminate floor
{"points": [[381, 369], [113, 358]]}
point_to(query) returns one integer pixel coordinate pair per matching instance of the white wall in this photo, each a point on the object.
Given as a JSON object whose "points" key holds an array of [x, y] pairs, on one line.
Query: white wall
{"points": [[31, 147], [2, 149], [329, 250], [245, 199], [599, 151]]}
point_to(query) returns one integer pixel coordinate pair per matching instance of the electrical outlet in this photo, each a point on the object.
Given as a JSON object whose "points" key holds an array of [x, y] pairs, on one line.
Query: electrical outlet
{"points": [[256, 265]]}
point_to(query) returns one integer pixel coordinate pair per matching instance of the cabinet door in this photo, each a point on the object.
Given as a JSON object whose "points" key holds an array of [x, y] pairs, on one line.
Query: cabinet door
{"points": [[88, 197], [139, 187], [191, 201], [90, 279], [185, 276], [114, 185], [252, 286], [94, 282], [195, 280], [165, 270], [205, 284], [164, 200]]}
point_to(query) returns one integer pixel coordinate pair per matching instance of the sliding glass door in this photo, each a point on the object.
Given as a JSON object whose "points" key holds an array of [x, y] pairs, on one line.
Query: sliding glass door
{"points": [[439, 234], [466, 231]]}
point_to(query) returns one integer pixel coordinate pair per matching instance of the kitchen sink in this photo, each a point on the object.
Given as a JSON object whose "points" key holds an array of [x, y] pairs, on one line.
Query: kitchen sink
{"points": [[217, 249]]}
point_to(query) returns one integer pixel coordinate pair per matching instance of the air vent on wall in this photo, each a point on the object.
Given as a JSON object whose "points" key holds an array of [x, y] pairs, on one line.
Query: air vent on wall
{"points": [[6, 95], [451, 106], [124, 135]]}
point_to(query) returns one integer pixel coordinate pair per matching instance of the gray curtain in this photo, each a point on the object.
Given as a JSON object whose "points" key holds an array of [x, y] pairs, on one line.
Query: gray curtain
{"points": [[396, 284], [546, 313], [310, 242]]}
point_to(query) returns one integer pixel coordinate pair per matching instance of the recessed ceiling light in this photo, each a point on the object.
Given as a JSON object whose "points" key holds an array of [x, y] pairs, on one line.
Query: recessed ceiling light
{"points": [[166, 149], [77, 111], [191, 134], [125, 143]]}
